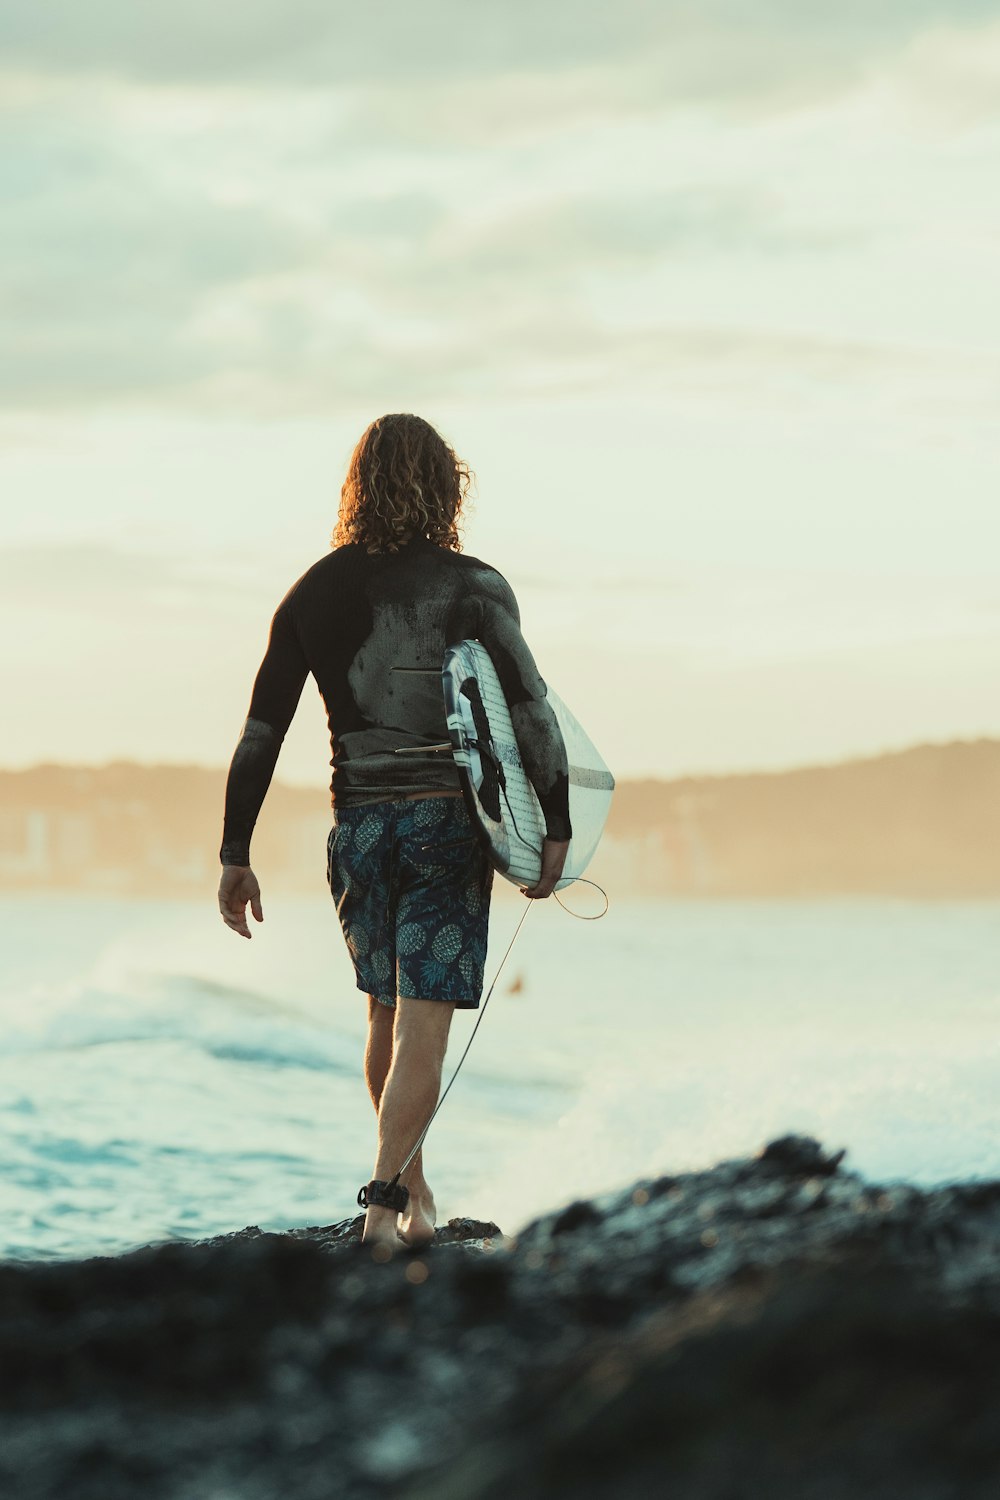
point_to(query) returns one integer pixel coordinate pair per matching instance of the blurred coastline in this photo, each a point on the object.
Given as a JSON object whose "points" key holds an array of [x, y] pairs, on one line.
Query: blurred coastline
{"points": [[923, 822]]}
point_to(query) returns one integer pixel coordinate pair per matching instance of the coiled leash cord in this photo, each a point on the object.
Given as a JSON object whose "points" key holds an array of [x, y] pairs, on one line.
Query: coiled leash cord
{"points": [[393, 1194]]}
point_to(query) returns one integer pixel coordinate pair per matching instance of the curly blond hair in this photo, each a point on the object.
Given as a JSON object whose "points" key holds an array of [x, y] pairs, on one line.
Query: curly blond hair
{"points": [[403, 481]]}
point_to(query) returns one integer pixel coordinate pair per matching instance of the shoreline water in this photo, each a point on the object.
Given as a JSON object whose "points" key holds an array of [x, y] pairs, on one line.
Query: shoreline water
{"points": [[161, 1078]]}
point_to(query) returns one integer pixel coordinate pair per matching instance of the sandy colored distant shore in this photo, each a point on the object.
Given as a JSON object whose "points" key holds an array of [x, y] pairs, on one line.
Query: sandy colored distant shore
{"points": [[922, 822]]}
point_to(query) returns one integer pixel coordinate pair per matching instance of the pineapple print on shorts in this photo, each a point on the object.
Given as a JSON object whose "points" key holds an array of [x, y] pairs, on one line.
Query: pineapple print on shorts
{"points": [[412, 890]]}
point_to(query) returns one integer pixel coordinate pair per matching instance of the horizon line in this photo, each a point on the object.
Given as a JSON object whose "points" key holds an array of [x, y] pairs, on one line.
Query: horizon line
{"points": [[860, 758]]}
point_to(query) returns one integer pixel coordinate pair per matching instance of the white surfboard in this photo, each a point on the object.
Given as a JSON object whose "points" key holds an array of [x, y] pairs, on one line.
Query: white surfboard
{"points": [[500, 797]]}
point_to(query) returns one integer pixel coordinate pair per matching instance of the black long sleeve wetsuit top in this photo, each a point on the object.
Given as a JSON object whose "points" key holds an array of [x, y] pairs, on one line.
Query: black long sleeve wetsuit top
{"points": [[372, 629]]}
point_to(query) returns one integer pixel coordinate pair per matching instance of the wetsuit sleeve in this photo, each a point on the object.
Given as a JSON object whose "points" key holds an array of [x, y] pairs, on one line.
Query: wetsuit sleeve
{"points": [[539, 738], [276, 694]]}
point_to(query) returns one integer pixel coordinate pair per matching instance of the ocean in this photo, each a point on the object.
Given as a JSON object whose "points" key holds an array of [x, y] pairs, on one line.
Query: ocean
{"points": [[161, 1078]]}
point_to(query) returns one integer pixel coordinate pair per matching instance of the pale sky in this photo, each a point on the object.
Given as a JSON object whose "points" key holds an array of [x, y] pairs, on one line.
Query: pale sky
{"points": [[704, 292]]}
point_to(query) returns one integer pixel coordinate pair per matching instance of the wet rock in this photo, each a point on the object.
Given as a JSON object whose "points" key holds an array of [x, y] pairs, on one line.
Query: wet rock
{"points": [[812, 1385], [577, 1216], [800, 1153], [472, 1234], [773, 1326]]}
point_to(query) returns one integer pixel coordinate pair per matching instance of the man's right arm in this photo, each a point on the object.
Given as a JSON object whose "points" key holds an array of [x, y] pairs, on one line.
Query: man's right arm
{"points": [[276, 694]]}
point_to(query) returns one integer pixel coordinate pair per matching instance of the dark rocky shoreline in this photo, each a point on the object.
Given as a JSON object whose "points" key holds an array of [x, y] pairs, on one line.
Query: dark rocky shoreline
{"points": [[773, 1327]]}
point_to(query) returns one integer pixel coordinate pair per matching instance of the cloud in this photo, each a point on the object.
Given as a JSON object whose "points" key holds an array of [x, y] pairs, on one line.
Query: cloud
{"points": [[104, 264], [144, 277], [686, 48], [273, 207], [157, 276], [609, 229], [213, 309], [951, 74]]}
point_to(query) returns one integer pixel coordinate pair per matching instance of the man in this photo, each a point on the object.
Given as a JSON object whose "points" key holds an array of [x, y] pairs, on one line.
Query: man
{"points": [[371, 621]]}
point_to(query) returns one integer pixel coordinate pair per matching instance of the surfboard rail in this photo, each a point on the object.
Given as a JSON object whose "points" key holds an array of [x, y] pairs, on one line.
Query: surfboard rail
{"points": [[504, 807]]}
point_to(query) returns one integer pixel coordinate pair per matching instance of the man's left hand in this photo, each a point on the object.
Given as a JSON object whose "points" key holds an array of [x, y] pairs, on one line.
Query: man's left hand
{"points": [[237, 887], [554, 853]]}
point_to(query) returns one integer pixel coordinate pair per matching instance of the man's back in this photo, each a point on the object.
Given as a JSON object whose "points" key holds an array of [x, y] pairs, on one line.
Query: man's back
{"points": [[372, 630]]}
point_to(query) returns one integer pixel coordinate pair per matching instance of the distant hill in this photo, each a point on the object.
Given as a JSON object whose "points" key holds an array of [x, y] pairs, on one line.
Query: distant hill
{"points": [[918, 822], [922, 822]]}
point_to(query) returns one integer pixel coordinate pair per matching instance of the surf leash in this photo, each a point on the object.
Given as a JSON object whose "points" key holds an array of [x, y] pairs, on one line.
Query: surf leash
{"points": [[393, 1194]]}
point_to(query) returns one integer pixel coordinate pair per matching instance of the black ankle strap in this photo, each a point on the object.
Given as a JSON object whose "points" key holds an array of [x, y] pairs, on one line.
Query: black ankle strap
{"points": [[377, 1194]]}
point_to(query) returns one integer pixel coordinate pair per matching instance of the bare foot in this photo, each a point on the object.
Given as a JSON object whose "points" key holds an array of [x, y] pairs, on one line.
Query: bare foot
{"points": [[416, 1224], [380, 1227]]}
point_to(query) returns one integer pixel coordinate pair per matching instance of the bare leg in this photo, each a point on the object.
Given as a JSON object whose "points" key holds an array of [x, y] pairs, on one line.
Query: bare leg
{"points": [[411, 1090], [378, 1052]]}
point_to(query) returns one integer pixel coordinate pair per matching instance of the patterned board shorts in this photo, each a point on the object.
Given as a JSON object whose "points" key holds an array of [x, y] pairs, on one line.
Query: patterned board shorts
{"points": [[412, 887]]}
